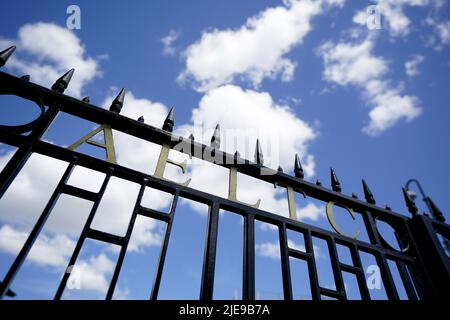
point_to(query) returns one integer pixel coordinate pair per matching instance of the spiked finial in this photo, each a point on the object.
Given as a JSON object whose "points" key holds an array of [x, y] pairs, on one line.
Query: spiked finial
{"points": [[318, 183], [5, 54], [334, 181], [25, 77], [387, 207], [354, 196], [215, 139], [280, 169], [169, 122], [298, 169], [141, 119], [409, 202], [259, 158], [367, 193], [237, 154], [86, 99], [117, 104], [61, 84], [435, 211], [191, 137]]}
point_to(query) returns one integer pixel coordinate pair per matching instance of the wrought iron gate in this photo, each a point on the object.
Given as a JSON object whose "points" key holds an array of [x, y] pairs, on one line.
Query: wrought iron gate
{"points": [[422, 262]]}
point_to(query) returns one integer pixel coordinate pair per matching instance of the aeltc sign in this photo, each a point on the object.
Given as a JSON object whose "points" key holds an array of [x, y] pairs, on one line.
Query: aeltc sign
{"points": [[164, 160]]}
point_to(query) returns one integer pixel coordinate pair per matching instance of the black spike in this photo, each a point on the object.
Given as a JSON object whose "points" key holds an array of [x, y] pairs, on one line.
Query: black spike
{"points": [[259, 158], [280, 169], [87, 99], [237, 154], [298, 169], [25, 77], [409, 202], [169, 122], [5, 54], [335, 185], [117, 104], [62, 83], [387, 207], [215, 139], [354, 196], [191, 137], [318, 183], [367, 193], [141, 119], [435, 211]]}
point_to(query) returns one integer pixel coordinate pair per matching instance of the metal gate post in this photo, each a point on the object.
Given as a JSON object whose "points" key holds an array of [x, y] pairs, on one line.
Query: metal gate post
{"points": [[436, 262]]}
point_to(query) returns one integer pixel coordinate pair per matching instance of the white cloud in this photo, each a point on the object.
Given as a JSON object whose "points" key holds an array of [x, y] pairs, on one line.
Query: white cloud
{"points": [[281, 133], [256, 50], [168, 41], [295, 246], [92, 274], [393, 13], [311, 212], [353, 63], [46, 51], [144, 235], [47, 251], [412, 65], [441, 36], [268, 249]]}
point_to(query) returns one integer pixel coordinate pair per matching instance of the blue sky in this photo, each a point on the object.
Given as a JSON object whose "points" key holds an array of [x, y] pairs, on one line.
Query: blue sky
{"points": [[305, 77]]}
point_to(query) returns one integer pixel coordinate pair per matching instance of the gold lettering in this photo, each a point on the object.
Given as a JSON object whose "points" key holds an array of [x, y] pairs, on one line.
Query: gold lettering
{"points": [[108, 144], [332, 220], [232, 188], [291, 202], [164, 159]]}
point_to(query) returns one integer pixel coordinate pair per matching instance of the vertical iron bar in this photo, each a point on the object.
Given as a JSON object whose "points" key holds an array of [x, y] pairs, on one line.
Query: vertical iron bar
{"points": [[248, 287], [162, 255], [371, 227], [285, 265], [209, 259], [123, 249], [13, 167], [386, 275], [312, 269], [73, 258], [409, 287], [20, 258], [336, 267], [362, 283]]}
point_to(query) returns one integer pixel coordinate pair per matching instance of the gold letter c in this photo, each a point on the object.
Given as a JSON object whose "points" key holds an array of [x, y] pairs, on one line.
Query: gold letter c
{"points": [[332, 220]]}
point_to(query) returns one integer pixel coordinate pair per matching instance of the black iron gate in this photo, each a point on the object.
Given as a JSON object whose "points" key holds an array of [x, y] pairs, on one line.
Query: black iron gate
{"points": [[422, 261]]}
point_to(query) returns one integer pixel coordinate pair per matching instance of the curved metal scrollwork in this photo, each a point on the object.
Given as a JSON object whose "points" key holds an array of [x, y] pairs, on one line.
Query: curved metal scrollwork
{"points": [[23, 128]]}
